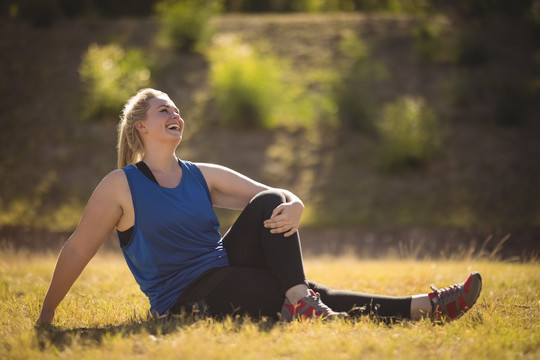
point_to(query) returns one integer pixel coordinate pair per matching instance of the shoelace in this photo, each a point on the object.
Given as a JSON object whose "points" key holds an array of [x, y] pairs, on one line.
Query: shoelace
{"points": [[446, 292]]}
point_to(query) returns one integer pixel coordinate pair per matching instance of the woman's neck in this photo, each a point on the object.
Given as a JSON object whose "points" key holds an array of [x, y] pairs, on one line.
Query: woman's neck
{"points": [[165, 169], [160, 162]]}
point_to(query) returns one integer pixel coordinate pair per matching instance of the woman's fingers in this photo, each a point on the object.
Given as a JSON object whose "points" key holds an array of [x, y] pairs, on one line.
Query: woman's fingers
{"points": [[290, 232], [277, 211], [284, 219], [278, 223], [280, 229]]}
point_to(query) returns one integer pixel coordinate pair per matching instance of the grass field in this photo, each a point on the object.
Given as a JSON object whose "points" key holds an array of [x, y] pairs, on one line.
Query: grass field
{"points": [[105, 315]]}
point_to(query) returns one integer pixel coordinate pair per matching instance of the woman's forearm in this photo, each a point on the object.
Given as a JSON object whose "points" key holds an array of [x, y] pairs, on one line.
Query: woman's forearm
{"points": [[69, 266]]}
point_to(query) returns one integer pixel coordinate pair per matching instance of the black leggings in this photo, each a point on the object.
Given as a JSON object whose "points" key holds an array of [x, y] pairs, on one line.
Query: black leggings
{"points": [[263, 266]]}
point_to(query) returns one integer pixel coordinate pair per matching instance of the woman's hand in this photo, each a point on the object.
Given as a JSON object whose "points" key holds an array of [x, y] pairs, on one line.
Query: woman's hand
{"points": [[285, 218], [45, 318]]}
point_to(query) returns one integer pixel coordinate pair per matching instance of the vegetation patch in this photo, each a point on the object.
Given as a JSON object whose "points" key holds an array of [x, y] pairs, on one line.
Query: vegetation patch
{"points": [[111, 75], [410, 133], [254, 89], [185, 23]]}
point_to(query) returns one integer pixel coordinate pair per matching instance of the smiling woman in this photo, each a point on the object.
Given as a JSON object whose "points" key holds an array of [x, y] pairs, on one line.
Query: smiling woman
{"points": [[163, 210], [130, 145]]}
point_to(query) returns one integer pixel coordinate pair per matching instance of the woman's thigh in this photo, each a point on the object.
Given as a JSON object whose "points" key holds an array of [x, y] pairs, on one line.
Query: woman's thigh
{"points": [[246, 291], [244, 240]]}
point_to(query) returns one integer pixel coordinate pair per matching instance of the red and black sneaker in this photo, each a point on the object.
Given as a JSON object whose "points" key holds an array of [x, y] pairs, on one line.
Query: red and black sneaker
{"points": [[453, 301], [309, 307]]}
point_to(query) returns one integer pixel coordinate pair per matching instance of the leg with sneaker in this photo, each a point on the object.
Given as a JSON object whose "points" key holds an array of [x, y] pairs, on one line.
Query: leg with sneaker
{"points": [[448, 303], [357, 304], [283, 257], [267, 277]]}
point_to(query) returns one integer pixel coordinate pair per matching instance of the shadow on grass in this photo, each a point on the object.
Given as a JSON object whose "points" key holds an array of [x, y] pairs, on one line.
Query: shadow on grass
{"points": [[53, 336], [59, 337]]}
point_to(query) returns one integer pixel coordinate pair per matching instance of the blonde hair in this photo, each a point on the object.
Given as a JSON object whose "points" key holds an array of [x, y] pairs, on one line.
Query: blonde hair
{"points": [[130, 147]]}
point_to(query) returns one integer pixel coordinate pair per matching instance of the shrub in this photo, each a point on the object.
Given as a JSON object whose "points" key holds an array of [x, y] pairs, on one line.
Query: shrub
{"points": [[410, 133], [185, 23], [111, 75], [254, 89]]}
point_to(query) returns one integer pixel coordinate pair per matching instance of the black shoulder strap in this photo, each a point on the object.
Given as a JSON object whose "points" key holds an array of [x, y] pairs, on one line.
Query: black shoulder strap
{"points": [[141, 165]]}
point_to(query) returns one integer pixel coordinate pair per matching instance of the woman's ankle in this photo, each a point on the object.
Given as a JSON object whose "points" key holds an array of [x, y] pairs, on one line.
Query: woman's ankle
{"points": [[421, 307], [297, 292]]}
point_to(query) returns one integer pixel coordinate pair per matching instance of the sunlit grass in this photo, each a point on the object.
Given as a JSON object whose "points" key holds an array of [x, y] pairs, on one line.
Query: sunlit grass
{"points": [[105, 315]]}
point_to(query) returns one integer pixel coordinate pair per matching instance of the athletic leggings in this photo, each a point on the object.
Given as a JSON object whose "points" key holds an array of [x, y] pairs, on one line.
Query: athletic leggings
{"points": [[263, 266]]}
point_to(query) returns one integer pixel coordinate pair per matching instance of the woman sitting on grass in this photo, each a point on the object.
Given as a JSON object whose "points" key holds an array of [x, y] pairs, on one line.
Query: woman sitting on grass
{"points": [[162, 209]]}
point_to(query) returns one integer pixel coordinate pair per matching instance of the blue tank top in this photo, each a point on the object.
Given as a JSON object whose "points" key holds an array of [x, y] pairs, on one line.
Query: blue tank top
{"points": [[175, 237]]}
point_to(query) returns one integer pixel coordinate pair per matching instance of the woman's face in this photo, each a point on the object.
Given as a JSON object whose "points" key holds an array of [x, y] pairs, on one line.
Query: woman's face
{"points": [[163, 121]]}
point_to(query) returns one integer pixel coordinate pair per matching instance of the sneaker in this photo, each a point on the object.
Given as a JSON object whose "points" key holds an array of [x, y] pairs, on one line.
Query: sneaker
{"points": [[309, 307], [453, 301]]}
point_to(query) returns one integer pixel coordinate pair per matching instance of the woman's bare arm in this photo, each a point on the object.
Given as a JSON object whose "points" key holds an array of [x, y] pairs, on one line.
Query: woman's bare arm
{"points": [[232, 190], [228, 188], [101, 215]]}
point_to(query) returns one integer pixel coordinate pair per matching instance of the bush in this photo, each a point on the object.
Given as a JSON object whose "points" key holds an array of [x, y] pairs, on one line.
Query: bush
{"points": [[185, 23], [111, 75], [254, 89], [410, 133]]}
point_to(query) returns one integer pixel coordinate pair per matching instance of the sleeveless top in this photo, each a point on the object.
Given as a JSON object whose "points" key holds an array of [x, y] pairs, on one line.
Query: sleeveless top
{"points": [[175, 237]]}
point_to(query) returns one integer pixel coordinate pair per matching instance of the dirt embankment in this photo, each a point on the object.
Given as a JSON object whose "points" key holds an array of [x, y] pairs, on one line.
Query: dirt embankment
{"points": [[488, 174]]}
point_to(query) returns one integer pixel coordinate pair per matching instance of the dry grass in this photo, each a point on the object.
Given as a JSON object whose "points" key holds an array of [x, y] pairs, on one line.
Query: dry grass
{"points": [[105, 315]]}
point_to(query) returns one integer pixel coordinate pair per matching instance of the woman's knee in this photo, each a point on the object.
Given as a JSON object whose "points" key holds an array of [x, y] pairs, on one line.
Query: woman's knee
{"points": [[269, 199]]}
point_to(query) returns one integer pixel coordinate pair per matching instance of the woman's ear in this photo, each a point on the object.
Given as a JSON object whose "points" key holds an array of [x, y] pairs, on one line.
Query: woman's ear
{"points": [[140, 127]]}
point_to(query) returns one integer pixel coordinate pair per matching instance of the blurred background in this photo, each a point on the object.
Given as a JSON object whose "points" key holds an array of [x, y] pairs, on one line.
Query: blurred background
{"points": [[404, 125]]}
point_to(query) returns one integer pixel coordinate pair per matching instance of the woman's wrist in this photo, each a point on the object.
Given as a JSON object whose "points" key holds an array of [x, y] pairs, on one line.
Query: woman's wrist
{"points": [[291, 198]]}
